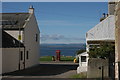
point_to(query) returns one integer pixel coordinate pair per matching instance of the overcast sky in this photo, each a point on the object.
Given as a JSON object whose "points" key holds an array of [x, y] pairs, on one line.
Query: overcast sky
{"points": [[62, 22]]}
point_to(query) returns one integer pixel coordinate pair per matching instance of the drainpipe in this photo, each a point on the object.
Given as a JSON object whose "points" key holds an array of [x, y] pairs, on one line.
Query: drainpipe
{"points": [[19, 46]]}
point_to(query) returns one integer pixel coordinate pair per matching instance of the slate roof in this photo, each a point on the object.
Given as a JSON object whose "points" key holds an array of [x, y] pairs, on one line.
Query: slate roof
{"points": [[10, 42], [13, 21], [104, 31]]}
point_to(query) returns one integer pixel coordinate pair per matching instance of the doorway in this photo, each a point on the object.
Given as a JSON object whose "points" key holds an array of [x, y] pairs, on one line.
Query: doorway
{"points": [[22, 60]]}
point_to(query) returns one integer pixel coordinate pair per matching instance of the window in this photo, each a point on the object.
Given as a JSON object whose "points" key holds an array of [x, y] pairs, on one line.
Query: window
{"points": [[21, 55], [27, 55], [36, 36], [83, 58]]}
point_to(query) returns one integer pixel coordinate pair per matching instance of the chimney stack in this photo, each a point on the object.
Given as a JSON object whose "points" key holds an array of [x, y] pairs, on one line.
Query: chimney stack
{"points": [[31, 10], [111, 7]]}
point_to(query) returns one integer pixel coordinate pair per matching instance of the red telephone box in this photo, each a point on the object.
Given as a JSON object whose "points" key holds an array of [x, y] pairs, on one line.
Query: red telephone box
{"points": [[58, 55]]}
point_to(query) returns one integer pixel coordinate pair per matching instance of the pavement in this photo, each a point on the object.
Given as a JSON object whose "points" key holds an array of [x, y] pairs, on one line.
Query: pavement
{"points": [[59, 70]]}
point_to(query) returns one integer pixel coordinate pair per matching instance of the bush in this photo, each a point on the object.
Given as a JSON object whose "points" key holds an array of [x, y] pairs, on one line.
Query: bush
{"points": [[103, 51]]}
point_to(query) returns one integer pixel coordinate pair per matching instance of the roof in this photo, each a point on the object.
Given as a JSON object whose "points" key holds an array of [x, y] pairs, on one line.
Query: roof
{"points": [[105, 30], [83, 54], [9, 42], [11, 21]]}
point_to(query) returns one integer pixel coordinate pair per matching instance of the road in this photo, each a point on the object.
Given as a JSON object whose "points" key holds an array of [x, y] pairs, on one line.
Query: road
{"points": [[44, 71]]}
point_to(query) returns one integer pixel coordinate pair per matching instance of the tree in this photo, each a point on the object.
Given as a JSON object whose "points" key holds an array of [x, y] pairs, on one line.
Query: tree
{"points": [[102, 51]]}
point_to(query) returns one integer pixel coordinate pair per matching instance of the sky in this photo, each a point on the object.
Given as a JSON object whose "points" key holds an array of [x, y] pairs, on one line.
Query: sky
{"points": [[62, 22]]}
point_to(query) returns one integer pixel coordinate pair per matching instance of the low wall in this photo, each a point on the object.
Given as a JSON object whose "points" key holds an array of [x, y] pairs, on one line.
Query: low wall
{"points": [[93, 68]]}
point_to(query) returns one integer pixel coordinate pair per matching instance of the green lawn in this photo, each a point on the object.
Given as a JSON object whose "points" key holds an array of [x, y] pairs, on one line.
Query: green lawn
{"points": [[46, 58], [67, 58], [63, 58]]}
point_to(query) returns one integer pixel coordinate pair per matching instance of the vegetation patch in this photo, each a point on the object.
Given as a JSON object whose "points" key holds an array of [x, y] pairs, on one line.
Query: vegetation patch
{"points": [[104, 50], [63, 58], [67, 58], [81, 75], [46, 58]]}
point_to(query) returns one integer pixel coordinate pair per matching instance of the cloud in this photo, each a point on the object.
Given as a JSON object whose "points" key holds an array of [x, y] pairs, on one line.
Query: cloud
{"points": [[57, 37], [52, 37]]}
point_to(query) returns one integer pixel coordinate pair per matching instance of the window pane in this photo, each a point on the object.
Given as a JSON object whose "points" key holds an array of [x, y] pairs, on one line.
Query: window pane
{"points": [[36, 37], [27, 55], [21, 55], [83, 58]]}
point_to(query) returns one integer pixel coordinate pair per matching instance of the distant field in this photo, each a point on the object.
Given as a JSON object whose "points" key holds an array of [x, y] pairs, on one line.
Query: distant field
{"points": [[63, 58]]}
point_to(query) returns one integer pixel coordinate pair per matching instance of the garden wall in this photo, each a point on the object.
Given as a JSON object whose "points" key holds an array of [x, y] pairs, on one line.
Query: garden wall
{"points": [[94, 70]]}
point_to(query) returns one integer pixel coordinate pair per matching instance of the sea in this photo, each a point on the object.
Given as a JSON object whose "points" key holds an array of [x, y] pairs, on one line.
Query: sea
{"points": [[66, 49]]}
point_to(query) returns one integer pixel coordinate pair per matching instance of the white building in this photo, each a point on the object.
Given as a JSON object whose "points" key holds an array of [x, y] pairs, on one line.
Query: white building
{"points": [[102, 32], [83, 61], [23, 28]]}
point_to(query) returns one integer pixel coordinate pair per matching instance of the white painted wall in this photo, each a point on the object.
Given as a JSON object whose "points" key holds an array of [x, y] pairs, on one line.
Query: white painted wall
{"points": [[0, 60], [82, 65], [29, 40], [0, 48], [105, 30], [30, 30], [15, 34], [10, 59]]}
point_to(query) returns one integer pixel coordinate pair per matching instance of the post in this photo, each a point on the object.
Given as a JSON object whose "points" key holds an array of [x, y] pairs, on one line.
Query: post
{"points": [[102, 72]]}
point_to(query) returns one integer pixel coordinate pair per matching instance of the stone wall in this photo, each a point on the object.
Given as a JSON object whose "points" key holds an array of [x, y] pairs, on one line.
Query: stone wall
{"points": [[94, 65]]}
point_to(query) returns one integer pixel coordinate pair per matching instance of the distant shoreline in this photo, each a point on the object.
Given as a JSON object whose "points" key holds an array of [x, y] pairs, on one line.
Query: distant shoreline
{"points": [[66, 49]]}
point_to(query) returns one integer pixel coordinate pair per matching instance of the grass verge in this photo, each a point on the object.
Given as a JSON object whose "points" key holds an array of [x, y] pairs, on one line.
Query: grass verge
{"points": [[81, 75], [63, 58]]}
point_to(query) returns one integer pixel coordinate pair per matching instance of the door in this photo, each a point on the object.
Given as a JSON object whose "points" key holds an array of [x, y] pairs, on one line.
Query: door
{"points": [[22, 60]]}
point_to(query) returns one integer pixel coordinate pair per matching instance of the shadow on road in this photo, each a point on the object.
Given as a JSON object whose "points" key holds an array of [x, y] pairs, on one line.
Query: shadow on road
{"points": [[44, 70]]}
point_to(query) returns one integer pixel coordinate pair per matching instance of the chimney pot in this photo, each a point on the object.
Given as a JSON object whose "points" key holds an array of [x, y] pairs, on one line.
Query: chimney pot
{"points": [[31, 6], [103, 15]]}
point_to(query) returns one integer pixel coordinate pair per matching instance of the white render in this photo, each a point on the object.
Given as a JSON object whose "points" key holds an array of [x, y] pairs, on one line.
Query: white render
{"points": [[82, 65], [105, 30], [30, 31], [10, 58], [15, 34]]}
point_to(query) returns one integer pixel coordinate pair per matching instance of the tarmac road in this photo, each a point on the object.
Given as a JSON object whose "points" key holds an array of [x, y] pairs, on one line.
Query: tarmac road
{"points": [[45, 71]]}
